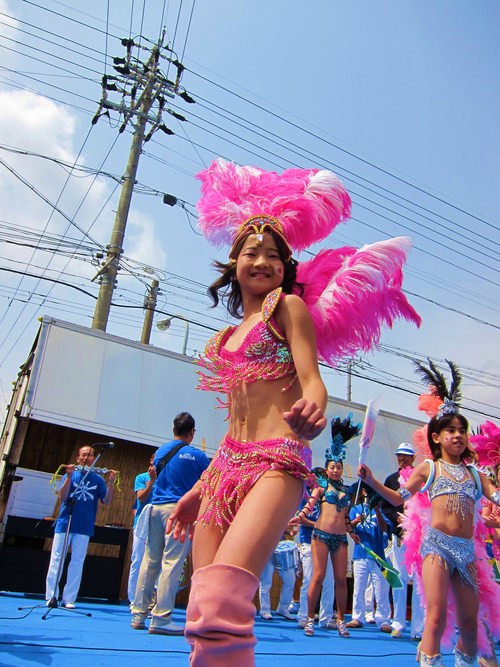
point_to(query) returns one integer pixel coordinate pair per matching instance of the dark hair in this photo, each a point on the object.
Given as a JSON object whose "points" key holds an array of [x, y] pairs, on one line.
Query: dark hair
{"points": [[438, 424], [183, 424], [231, 295]]}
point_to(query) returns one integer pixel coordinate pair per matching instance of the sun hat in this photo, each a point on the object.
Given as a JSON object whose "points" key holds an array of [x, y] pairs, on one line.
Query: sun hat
{"points": [[406, 449]]}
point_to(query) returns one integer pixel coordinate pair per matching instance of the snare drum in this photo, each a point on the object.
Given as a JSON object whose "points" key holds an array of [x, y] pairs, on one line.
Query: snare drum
{"points": [[286, 556]]}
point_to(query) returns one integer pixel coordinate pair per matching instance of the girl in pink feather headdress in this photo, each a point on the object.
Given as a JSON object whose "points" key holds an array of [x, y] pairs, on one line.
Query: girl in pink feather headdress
{"points": [[291, 313], [444, 532]]}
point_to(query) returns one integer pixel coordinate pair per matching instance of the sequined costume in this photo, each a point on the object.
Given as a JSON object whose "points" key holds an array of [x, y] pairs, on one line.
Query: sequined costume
{"points": [[455, 553], [238, 465], [332, 540], [463, 489], [332, 497], [263, 355]]}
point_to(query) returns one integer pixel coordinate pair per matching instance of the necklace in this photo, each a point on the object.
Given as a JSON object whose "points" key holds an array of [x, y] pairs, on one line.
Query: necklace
{"points": [[455, 470]]}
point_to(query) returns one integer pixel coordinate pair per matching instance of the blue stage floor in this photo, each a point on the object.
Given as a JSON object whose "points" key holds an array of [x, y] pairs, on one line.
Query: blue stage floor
{"points": [[106, 639]]}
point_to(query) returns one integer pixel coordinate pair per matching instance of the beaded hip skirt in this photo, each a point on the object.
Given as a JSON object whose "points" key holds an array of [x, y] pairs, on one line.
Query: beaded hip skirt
{"points": [[238, 465]]}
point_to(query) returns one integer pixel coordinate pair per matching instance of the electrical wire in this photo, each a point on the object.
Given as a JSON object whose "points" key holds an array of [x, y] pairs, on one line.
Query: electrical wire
{"points": [[384, 171]]}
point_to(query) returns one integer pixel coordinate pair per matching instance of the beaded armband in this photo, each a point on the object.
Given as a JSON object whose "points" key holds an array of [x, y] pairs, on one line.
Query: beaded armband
{"points": [[404, 493], [495, 498]]}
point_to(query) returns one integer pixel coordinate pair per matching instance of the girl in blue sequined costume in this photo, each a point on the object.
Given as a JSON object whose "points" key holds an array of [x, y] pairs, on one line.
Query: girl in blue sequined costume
{"points": [[329, 538], [447, 549]]}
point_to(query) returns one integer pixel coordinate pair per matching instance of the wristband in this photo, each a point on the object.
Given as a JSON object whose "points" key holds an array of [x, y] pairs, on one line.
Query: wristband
{"points": [[404, 493]]}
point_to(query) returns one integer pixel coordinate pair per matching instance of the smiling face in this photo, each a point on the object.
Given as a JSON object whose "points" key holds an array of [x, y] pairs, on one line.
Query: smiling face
{"points": [[452, 439], [86, 456], [259, 267], [334, 470], [405, 461]]}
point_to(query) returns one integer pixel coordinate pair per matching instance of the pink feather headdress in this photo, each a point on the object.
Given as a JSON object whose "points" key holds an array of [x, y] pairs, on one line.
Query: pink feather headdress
{"points": [[307, 203]]}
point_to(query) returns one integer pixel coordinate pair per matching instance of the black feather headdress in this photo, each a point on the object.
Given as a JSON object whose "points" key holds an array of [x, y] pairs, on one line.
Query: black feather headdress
{"points": [[435, 379]]}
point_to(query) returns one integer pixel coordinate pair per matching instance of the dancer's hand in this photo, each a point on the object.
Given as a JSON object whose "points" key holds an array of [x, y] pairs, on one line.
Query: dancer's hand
{"points": [[182, 519], [355, 538], [305, 419]]}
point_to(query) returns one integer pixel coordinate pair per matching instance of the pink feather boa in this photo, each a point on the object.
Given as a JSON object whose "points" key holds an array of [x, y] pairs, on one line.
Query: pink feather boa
{"points": [[416, 520], [487, 444]]}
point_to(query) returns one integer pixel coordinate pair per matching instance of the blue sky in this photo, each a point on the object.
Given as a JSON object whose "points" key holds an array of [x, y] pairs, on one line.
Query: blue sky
{"points": [[400, 99]]}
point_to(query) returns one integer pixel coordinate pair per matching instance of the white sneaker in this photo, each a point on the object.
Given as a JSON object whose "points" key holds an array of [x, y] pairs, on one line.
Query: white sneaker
{"points": [[266, 615], [68, 605], [169, 629], [293, 607], [284, 613], [137, 622], [301, 623]]}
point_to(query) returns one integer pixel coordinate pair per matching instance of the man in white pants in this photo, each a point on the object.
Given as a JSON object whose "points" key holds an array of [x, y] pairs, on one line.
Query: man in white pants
{"points": [[143, 487], [405, 454], [80, 503], [371, 527]]}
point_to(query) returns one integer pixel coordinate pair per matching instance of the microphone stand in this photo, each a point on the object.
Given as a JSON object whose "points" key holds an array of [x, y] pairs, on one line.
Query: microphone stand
{"points": [[70, 504]]}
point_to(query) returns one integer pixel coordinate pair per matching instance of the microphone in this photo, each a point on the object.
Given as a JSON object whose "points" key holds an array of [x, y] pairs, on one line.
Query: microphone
{"points": [[105, 445]]}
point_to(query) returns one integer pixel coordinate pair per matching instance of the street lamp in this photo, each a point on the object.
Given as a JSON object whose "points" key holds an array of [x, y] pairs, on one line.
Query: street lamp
{"points": [[163, 325]]}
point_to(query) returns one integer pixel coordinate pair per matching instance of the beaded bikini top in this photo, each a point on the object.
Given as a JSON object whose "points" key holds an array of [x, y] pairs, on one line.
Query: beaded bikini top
{"points": [[264, 354], [462, 487], [331, 496]]}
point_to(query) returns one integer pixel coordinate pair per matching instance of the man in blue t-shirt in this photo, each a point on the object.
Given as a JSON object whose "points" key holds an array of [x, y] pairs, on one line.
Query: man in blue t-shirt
{"points": [[165, 555], [80, 502]]}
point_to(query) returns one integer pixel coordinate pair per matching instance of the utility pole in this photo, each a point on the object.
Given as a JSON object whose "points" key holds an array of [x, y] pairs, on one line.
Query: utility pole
{"points": [[146, 87], [150, 306], [349, 380]]}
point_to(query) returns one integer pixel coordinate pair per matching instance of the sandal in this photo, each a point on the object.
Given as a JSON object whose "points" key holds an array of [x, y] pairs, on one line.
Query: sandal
{"points": [[341, 629], [309, 627]]}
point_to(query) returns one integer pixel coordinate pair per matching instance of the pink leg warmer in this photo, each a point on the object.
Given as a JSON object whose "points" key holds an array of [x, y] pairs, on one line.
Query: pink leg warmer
{"points": [[220, 617]]}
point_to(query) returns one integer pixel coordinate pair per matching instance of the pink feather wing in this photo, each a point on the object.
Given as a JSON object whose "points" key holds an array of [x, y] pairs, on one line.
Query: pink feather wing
{"points": [[352, 293]]}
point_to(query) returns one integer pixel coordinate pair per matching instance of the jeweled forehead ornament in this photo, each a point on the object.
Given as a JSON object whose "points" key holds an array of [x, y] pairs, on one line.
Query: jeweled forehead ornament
{"points": [[448, 407], [258, 225]]}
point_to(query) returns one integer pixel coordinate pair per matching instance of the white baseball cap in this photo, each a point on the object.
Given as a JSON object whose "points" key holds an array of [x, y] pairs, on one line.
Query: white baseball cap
{"points": [[406, 449]]}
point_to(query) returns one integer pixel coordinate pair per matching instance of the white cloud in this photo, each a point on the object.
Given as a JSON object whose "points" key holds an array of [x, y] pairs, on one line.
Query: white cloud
{"points": [[142, 240], [9, 25]]}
